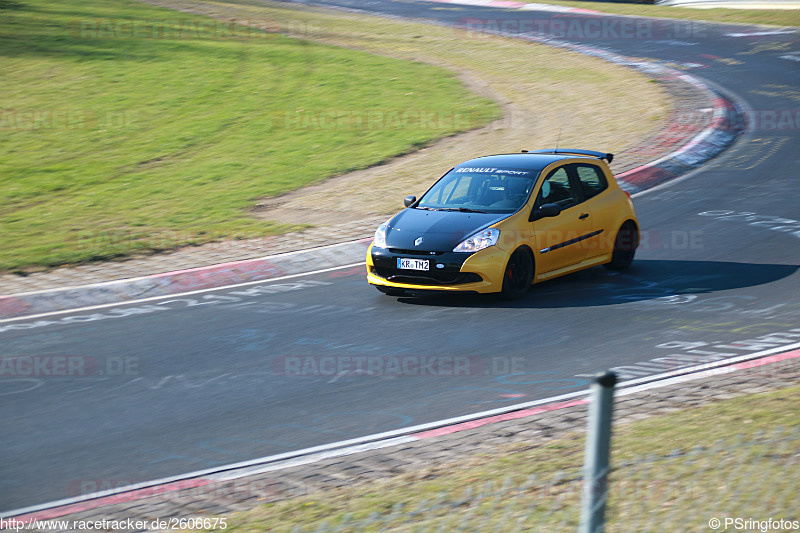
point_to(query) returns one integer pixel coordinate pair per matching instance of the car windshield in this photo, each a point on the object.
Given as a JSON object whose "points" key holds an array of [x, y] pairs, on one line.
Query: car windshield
{"points": [[479, 189]]}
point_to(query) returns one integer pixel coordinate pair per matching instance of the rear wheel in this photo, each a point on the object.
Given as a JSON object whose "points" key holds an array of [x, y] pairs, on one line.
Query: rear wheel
{"points": [[518, 275], [624, 247], [390, 291]]}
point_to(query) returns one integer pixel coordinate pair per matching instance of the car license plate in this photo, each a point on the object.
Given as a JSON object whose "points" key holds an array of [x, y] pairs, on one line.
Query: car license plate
{"points": [[412, 264]]}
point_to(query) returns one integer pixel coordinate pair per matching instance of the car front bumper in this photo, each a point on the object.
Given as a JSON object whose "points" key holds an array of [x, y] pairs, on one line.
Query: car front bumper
{"points": [[480, 272]]}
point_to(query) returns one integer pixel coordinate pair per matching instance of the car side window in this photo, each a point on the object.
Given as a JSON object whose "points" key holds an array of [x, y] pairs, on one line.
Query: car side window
{"points": [[592, 180], [557, 189]]}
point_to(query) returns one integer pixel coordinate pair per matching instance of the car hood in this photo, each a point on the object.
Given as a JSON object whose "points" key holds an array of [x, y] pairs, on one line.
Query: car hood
{"points": [[441, 231]]}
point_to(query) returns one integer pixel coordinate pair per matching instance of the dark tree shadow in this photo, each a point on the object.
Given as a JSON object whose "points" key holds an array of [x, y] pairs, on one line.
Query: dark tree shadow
{"points": [[76, 32], [645, 280], [10, 4]]}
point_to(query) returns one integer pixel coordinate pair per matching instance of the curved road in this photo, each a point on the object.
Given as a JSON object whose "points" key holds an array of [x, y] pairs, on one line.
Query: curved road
{"points": [[236, 374]]}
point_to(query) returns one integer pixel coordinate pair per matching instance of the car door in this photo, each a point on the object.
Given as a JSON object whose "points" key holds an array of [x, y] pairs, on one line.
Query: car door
{"points": [[599, 206], [557, 243]]}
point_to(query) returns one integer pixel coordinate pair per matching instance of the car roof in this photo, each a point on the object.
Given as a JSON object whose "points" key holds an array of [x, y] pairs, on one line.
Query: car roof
{"points": [[531, 160]]}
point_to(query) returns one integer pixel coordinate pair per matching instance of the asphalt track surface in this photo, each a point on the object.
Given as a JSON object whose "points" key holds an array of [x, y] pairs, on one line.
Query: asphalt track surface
{"points": [[179, 385]]}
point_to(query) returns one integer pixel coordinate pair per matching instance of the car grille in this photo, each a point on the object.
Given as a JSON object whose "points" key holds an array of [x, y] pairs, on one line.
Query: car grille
{"points": [[427, 278], [414, 252]]}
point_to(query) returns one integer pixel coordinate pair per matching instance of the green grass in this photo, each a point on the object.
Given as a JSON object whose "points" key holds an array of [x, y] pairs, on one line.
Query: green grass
{"points": [[115, 142], [545, 93], [773, 17], [670, 473]]}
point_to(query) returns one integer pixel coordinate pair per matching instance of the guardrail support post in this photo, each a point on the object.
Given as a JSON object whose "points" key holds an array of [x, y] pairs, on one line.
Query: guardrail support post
{"points": [[596, 459]]}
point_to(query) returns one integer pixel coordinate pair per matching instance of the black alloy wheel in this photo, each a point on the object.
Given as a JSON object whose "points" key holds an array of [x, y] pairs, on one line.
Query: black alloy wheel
{"points": [[518, 275]]}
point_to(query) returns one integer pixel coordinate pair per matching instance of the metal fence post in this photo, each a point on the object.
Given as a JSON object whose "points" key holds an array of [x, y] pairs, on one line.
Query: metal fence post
{"points": [[596, 459]]}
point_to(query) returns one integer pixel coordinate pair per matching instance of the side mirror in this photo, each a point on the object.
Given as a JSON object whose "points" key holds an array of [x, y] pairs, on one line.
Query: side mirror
{"points": [[409, 200], [545, 211]]}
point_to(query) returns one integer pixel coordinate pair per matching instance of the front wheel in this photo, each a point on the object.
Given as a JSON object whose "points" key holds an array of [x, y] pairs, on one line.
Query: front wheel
{"points": [[624, 247], [518, 275]]}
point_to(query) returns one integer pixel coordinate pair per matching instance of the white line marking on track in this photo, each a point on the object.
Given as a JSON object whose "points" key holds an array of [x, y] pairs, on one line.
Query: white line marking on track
{"points": [[161, 274], [759, 33], [177, 294]]}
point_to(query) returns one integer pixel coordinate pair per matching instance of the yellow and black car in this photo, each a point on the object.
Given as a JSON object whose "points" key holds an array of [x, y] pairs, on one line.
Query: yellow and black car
{"points": [[499, 223]]}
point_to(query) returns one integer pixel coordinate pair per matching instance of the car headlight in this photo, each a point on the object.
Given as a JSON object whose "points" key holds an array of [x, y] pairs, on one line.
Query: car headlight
{"points": [[479, 241], [380, 236]]}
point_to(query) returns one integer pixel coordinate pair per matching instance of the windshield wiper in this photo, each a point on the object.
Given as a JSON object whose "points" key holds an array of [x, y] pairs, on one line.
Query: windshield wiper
{"points": [[461, 209]]}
